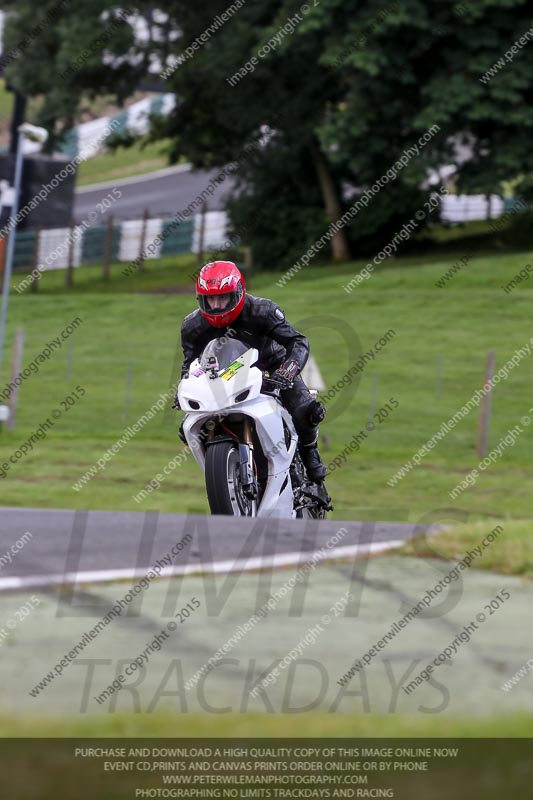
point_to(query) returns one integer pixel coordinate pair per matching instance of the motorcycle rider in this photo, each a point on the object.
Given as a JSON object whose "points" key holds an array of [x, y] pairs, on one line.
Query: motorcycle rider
{"points": [[226, 309]]}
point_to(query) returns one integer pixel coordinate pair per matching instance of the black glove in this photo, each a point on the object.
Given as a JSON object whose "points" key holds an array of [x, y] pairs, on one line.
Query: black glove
{"points": [[286, 373], [181, 433], [316, 413], [176, 403]]}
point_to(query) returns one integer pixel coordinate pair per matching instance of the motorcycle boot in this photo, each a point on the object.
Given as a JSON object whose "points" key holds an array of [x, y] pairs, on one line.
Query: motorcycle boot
{"points": [[315, 467]]}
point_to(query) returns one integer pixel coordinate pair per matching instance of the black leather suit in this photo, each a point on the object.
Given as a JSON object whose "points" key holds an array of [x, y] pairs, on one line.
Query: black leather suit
{"points": [[260, 324]]}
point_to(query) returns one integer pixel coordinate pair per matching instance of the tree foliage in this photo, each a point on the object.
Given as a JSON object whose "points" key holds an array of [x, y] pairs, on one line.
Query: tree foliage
{"points": [[331, 107]]}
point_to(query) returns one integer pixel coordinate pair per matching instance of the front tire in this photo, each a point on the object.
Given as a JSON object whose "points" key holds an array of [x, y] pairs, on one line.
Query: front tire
{"points": [[223, 482]]}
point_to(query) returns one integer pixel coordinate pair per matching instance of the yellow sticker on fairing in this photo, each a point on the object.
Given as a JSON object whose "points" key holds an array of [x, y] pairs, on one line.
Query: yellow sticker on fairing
{"points": [[231, 370]]}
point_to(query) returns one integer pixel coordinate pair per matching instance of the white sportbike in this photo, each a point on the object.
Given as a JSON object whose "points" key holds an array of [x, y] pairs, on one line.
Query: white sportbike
{"points": [[244, 439]]}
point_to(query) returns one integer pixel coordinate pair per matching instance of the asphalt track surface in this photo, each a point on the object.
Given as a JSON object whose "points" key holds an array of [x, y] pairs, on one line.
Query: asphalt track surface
{"points": [[98, 548], [164, 192], [71, 546]]}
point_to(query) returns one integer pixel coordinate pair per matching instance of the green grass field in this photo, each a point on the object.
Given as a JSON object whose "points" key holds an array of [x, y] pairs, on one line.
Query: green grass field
{"points": [[123, 163], [432, 365], [510, 554], [266, 725]]}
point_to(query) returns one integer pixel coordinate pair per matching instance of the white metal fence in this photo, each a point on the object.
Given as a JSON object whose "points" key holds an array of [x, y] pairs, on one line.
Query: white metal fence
{"points": [[468, 207]]}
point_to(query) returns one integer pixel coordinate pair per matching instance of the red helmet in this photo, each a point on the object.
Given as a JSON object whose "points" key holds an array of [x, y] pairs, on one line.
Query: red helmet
{"points": [[220, 293]]}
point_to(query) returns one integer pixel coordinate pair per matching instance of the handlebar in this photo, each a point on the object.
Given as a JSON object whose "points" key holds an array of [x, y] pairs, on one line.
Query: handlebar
{"points": [[277, 387]]}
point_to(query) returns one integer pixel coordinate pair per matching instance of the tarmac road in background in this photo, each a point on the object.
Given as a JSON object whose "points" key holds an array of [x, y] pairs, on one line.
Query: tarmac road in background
{"points": [[163, 192]]}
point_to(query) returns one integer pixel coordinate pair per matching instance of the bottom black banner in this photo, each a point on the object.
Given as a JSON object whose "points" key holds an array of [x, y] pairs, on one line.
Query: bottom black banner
{"points": [[406, 769]]}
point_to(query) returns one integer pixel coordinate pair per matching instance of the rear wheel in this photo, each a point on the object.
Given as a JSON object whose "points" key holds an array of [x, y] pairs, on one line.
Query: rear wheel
{"points": [[223, 482]]}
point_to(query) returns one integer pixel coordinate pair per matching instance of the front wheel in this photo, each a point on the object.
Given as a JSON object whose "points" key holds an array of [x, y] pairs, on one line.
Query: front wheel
{"points": [[223, 482]]}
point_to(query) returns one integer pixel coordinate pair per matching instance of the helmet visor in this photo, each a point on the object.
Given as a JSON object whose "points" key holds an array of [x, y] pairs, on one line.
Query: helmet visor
{"points": [[218, 303]]}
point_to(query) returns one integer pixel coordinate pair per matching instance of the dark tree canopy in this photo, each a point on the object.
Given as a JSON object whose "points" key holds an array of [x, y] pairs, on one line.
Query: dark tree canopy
{"points": [[334, 103]]}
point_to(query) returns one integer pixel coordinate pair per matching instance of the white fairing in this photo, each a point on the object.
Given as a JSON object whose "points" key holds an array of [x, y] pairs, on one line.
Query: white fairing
{"points": [[217, 396]]}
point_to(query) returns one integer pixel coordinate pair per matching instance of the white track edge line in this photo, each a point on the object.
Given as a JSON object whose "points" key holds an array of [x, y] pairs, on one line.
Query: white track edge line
{"points": [[219, 567]]}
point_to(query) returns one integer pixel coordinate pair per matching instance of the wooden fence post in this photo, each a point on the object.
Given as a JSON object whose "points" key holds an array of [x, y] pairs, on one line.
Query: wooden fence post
{"points": [[438, 384], [34, 285], [70, 359], [127, 398], [370, 424], [201, 236], [485, 407], [140, 258], [108, 248], [16, 366], [248, 266], [69, 277]]}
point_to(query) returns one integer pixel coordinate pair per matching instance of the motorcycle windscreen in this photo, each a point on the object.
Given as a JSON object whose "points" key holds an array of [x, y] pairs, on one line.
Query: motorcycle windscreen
{"points": [[222, 352]]}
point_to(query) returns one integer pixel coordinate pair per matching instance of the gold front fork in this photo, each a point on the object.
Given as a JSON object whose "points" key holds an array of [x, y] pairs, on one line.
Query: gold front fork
{"points": [[247, 432]]}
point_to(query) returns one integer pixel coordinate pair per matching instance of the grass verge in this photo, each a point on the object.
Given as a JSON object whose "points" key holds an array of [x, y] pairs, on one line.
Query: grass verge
{"points": [[113, 165], [266, 725], [510, 554], [127, 351]]}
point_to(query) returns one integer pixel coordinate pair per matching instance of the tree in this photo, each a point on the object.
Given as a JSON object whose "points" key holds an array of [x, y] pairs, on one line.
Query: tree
{"points": [[424, 64], [58, 56], [345, 88], [218, 113], [358, 83]]}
